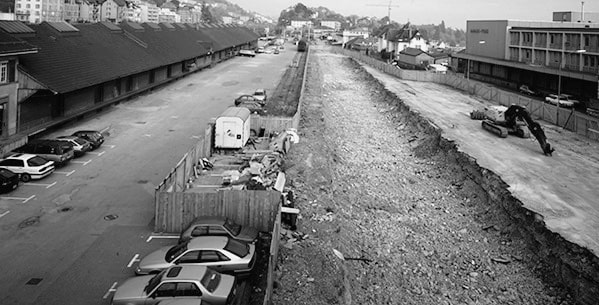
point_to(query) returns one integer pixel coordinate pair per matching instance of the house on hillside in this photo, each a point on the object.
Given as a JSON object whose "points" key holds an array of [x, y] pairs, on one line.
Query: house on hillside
{"points": [[395, 40], [298, 24], [412, 58], [441, 58], [354, 33], [363, 45], [335, 25]]}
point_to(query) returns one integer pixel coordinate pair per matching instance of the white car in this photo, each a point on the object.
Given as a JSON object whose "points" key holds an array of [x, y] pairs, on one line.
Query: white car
{"points": [[260, 94], [28, 166], [80, 146], [564, 100]]}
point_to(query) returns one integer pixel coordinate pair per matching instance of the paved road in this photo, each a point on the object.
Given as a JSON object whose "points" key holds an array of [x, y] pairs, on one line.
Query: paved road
{"points": [[56, 244], [563, 188]]}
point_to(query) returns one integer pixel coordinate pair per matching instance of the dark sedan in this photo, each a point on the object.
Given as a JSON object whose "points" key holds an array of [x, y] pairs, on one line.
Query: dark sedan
{"points": [[8, 180], [249, 99], [94, 137], [218, 226]]}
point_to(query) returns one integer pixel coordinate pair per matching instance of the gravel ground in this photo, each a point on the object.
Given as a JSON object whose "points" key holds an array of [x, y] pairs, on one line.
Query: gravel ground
{"points": [[372, 186]]}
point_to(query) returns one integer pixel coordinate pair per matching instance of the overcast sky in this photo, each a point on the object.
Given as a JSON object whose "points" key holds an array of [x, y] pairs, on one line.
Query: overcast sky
{"points": [[453, 12]]}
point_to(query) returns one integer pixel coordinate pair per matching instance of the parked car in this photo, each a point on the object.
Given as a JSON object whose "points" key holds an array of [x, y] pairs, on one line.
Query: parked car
{"points": [[526, 90], [564, 100], [8, 180], [28, 166], [221, 253], [249, 53], [80, 145], [277, 51], [218, 226], [94, 137], [260, 94], [53, 150], [184, 282], [246, 98], [260, 50]]}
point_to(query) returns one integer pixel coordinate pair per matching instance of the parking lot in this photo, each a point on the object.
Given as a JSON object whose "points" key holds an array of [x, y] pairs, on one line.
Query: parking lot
{"points": [[72, 237]]}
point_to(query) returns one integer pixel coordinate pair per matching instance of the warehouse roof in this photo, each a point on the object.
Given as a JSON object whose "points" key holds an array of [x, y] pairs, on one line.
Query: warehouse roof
{"points": [[73, 57]]}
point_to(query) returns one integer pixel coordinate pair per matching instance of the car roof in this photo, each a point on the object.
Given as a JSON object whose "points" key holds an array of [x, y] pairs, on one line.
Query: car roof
{"points": [[210, 220], [208, 242], [67, 138], [260, 90], [21, 156], [185, 272]]}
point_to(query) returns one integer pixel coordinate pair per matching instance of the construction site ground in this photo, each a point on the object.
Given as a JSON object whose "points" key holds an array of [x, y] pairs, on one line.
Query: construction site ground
{"points": [[426, 206]]}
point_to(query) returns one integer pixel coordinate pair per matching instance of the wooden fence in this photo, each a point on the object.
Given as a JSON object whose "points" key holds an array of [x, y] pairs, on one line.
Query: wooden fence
{"points": [[569, 119], [176, 180], [272, 259], [258, 209]]}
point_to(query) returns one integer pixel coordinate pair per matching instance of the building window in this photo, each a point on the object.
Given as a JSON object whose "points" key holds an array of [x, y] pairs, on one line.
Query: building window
{"points": [[37, 6], [28, 5], [586, 41], [18, 5], [3, 72]]}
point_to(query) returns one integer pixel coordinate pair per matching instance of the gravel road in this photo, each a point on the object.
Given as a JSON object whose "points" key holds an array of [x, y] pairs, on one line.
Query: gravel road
{"points": [[375, 188]]}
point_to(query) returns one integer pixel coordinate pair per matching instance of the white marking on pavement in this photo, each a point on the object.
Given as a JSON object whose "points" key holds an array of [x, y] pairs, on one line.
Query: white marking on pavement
{"points": [[133, 260], [161, 236], [111, 146], [112, 289], [39, 184], [65, 173], [13, 198], [96, 153], [31, 197], [147, 135], [195, 137], [174, 117], [51, 185], [4, 214], [82, 162]]}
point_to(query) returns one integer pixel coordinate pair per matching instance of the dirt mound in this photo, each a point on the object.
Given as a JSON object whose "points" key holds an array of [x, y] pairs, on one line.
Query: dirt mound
{"points": [[417, 222]]}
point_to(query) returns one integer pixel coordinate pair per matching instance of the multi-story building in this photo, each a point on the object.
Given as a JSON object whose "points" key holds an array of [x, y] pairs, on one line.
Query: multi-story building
{"points": [[149, 11], [549, 56], [52, 10], [336, 25], [28, 10], [354, 33], [71, 11], [298, 24], [581, 17], [168, 16]]}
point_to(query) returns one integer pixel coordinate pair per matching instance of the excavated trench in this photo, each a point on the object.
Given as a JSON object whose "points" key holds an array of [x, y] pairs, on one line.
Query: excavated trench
{"points": [[559, 262]]}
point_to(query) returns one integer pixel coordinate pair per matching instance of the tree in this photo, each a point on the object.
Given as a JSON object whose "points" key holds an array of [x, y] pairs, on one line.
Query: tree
{"points": [[206, 14]]}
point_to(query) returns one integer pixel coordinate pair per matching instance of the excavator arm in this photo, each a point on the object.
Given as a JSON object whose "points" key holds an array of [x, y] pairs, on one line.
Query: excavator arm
{"points": [[515, 112]]}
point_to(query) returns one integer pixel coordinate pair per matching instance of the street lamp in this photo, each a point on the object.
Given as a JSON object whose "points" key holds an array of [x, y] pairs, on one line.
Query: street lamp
{"points": [[559, 84]]}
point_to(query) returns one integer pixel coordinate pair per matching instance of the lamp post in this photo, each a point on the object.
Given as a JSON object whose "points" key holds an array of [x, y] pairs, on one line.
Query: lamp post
{"points": [[559, 84]]}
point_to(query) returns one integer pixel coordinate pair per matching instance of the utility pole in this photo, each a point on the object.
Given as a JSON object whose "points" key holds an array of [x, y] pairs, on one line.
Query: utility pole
{"points": [[388, 6]]}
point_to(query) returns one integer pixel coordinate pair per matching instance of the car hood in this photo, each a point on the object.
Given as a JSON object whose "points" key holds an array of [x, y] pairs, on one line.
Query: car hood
{"points": [[132, 288], [247, 234], [225, 287], [155, 260]]}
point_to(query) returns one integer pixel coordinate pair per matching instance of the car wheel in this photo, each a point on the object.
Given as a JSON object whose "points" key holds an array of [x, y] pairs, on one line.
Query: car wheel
{"points": [[25, 177]]}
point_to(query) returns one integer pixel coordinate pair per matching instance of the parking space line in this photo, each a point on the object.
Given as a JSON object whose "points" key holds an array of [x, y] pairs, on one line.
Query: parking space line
{"points": [[30, 197], [96, 153], [51, 184], [14, 198], [82, 162], [195, 137], [65, 173], [133, 260], [148, 135], [112, 289], [161, 236], [4, 214], [111, 146]]}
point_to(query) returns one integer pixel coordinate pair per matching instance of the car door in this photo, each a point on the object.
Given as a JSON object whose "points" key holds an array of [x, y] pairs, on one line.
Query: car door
{"points": [[187, 290], [14, 165], [166, 291], [215, 260], [217, 231]]}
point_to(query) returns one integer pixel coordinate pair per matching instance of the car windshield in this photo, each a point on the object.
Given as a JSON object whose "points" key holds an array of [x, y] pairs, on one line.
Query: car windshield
{"points": [[153, 282], [175, 251], [259, 92], [36, 161], [210, 280], [79, 141], [238, 248], [232, 227]]}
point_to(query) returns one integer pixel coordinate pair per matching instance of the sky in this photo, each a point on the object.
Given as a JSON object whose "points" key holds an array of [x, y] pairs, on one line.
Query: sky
{"points": [[453, 12]]}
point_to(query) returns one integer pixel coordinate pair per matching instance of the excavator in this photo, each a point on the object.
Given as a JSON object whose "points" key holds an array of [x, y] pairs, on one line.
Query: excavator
{"points": [[515, 120]]}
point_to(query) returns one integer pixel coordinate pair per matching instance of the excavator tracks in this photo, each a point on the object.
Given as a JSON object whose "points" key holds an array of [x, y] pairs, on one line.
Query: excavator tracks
{"points": [[498, 130]]}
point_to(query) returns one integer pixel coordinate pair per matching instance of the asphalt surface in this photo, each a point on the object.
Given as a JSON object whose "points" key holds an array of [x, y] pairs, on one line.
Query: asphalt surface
{"points": [[562, 188], [70, 237]]}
